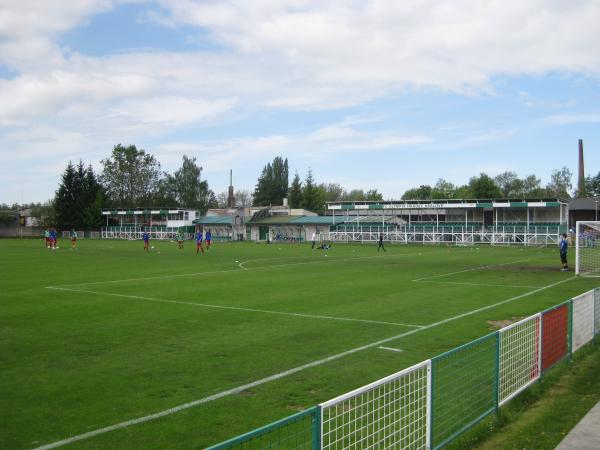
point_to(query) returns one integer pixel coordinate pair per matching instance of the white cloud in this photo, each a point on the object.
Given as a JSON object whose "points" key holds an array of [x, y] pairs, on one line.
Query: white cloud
{"points": [[566, 119]]}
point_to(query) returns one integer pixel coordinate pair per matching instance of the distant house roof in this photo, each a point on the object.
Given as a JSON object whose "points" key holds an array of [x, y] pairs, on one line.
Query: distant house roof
{"points": [[586, 204]]}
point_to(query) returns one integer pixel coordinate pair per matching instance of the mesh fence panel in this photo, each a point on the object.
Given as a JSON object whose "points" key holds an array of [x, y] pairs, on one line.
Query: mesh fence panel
{"points": [[588, 249], [464, 388], [297, 432], [583, 319], [555, 335], [390, 413], [519, 356]]}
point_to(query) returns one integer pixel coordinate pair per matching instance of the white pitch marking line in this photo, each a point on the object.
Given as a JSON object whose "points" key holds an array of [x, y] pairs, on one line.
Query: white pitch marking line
{"points": [[478, 284], [472, 269], [235, 308], [397, 350], [286, 373], [179, 275]]}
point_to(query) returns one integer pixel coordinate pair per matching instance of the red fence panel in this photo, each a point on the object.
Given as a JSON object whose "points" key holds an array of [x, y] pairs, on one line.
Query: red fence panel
{"points": [[555, 335]]}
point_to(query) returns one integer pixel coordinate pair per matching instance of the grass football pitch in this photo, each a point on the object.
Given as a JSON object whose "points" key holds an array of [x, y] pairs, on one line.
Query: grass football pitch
{"points": [[188, 350]]}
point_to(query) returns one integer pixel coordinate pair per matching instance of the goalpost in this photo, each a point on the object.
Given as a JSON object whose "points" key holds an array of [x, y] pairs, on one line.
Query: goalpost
{"points": [[587, 249]]}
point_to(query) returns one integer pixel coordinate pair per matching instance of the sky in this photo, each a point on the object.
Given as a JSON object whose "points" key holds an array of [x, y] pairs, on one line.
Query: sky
{"points": [[372, 94]]}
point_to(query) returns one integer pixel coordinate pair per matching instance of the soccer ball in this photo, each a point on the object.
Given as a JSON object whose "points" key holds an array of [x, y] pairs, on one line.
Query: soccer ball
{"points": [[152, 246]]}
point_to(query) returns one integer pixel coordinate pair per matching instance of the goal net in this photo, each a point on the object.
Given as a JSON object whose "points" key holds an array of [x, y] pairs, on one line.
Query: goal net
{"points": [[587, 248]]}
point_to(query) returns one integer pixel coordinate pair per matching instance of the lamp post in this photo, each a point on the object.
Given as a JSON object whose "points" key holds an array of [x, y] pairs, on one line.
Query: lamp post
{"points": [[596, 210]]}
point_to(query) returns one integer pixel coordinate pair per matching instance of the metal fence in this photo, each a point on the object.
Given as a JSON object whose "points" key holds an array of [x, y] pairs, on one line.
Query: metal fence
{"points": [[428, 405]]}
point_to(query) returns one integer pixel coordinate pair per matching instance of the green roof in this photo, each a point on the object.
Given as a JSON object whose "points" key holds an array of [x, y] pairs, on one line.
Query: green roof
{"points": [[275, 220], [214, 220], [313, 220], [296, 220]]}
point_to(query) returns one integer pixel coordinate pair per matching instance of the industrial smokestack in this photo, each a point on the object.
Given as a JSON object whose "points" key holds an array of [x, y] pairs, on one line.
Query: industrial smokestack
{"points": [[581, 181], [230, 195]]}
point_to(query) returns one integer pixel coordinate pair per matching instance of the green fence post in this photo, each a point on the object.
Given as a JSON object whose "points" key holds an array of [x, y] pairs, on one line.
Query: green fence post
{"points": [[316, 429]]}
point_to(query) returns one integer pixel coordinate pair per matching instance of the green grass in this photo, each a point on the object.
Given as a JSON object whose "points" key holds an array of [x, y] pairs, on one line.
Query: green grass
{"points": [[132, 333]]}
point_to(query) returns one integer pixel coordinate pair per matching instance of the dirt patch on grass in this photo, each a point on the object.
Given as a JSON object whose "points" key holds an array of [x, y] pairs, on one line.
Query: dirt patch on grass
{"points": [[247, 393], [497, 324]]}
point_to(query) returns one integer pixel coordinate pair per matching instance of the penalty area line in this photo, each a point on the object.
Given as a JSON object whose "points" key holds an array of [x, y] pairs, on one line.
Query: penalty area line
{"points": [[234, 308], [286, 373]]}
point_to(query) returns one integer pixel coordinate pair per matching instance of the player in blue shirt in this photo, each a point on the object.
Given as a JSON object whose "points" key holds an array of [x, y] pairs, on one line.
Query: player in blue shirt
{"points": [[53, 237], [146, 239], [199, 242], [208, 238], [563, 245]]}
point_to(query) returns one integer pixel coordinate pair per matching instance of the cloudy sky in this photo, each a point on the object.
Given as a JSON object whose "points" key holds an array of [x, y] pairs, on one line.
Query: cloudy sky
{"points": [[379, 94]]}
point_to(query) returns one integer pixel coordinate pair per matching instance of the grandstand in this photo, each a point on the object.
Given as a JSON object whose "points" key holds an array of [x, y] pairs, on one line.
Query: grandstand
{"points": [[161, 223], [221, 227], [501, 221]]}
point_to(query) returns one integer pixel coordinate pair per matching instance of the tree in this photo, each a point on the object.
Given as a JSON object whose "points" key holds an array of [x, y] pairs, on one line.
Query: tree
{"points": [[79, 198], [560, 183], [65, 198], [295, 194], [508, 183], [222, 198], [463, 191], [191, 191], [310, 194], [373, 195], [130, 176], [166, 192], [443, 189], [93, 200], [484, 186], [423, 192], [592, 185], [332, 191], [273, 183], [211, 200], [243, 198]]}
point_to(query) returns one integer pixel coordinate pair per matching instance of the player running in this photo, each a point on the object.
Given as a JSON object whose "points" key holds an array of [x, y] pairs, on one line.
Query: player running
{"points": [[73, 236], [146, 239], [47, 236], [199, 242], [380, 243], [208, 239], [179, 238]]}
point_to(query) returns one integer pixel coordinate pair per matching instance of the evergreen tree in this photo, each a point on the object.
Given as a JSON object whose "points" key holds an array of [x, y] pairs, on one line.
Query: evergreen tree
{"points": [[79, 199], [273, 183], [65, 200], [93, 199], [311, 199], [295, 198]]}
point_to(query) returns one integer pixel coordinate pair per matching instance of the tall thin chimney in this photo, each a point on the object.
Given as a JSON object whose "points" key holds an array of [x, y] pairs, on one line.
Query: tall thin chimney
{"points": [[230, 196], [581, 181]]}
